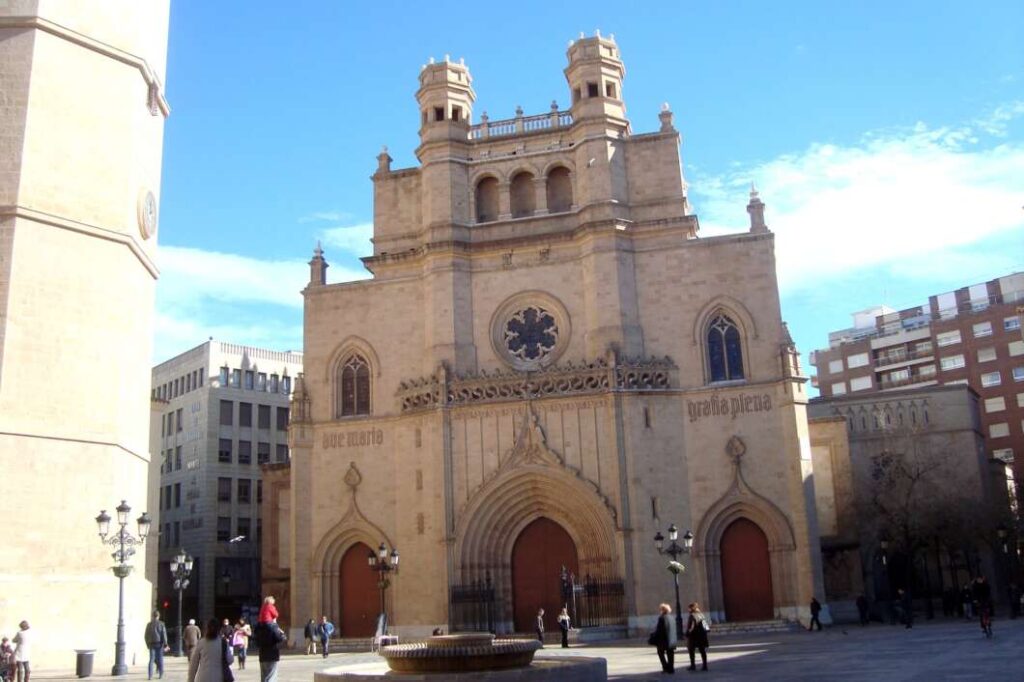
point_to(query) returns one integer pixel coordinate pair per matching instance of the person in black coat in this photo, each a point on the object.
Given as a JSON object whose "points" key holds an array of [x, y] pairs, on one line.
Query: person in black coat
{"points": [[269, 638], [906, 607], [815, 614], [697, 636], [665, 639]]}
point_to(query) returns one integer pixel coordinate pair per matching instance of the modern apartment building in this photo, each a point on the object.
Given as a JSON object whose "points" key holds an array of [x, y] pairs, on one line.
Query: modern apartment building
{"points": [[968, 336], [224, 413]]}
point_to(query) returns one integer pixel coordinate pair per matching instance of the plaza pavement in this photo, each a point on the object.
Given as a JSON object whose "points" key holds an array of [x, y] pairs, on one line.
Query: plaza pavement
{"points": [[938, 650]]}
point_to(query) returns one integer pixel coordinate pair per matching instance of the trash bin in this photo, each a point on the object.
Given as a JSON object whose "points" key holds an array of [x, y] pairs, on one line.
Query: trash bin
{"points": [[83, 662]]}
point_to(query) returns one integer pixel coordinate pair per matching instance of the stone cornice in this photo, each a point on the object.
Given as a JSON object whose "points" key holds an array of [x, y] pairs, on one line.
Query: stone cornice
{"points": [[42, 218], [64, 33]]}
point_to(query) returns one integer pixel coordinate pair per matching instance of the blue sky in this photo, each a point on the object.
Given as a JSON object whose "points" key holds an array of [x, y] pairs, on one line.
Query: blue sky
{"points": [[887, 139]]}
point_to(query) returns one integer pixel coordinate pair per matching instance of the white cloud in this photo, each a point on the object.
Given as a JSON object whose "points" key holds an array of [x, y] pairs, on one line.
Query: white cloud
{"points": [[351, 239], [917, 194], [189, 274], [325, 216], [231, 297], [178, 330]]}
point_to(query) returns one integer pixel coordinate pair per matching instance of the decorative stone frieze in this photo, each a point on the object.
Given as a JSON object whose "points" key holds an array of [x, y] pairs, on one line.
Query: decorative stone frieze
{"points": [[556, 381]]}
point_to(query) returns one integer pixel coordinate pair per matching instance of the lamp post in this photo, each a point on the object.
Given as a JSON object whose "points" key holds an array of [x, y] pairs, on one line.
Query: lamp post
{"points": [[384, 563], [125, 543], [1001, 533], [883, 543], [181, 569], [674, 550]]}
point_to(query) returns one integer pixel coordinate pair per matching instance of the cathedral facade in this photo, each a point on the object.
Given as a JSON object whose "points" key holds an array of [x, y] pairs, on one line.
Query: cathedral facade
{"points": [[548, 367]]}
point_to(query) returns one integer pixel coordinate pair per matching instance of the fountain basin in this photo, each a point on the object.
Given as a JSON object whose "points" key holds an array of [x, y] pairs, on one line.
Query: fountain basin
{"points": [[460, 652]]}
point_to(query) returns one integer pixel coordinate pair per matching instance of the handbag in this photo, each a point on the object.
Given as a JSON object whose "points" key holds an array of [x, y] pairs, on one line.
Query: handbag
{"points": [[652, 639], [225, 661]]}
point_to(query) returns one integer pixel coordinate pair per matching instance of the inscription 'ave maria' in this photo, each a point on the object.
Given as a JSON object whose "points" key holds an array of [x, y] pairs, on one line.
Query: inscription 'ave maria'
{"points": [[353, 439], [732, 406]]}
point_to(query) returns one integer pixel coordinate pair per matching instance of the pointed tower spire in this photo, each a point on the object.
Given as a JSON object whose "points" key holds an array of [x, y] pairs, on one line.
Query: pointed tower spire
{"points": [[318, 267], [756, 210]]}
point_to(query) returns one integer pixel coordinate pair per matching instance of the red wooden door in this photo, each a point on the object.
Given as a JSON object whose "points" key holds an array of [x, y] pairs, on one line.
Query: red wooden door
{"points": [[360, 598], [746, 573], [537, 559]]}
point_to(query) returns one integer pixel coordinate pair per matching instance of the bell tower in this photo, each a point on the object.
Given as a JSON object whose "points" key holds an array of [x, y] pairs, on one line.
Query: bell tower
{"points": [[595, 75], [446, 100], [82, 133]]}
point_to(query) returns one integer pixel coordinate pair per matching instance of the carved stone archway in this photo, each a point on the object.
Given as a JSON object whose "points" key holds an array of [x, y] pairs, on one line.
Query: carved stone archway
{"points": [[353, 528], [741, 502], [531, 483]]}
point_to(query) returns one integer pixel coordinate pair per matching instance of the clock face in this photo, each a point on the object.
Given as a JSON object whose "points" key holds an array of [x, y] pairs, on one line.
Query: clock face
{"points": [[147, 214]]}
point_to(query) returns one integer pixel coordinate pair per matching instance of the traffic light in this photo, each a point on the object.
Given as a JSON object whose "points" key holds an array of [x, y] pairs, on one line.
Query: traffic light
{"points": [[167, 603]]}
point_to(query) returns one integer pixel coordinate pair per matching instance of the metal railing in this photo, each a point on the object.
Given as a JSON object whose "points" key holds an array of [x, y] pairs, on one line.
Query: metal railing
{"points": [[472, 606]]}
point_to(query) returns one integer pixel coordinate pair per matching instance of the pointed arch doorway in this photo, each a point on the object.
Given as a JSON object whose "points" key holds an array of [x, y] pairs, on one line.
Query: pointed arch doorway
{"points": [[746, 572], [357, 589], [538, 555]]}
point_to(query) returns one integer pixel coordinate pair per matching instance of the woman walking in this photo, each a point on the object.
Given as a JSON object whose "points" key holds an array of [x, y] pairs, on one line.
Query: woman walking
{"points": [[211, 656], [697, 628], [240, 641]]}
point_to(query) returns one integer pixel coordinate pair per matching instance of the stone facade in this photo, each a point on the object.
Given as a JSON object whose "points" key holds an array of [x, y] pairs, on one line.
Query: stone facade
{"points": [[81, 134], [536, 345], [937, 431]]}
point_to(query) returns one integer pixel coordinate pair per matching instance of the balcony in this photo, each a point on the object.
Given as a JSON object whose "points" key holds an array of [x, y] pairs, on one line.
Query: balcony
{"points": [[520, 124], [895, 357], [886, 384]]}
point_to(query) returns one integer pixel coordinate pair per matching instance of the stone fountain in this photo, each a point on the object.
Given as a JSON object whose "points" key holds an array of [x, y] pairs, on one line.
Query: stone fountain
{"points": [[467, 657]]}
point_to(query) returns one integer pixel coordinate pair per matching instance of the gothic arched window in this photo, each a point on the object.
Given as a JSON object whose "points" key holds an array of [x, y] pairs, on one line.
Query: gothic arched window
{"points": [[353, 384], [725, 352]]}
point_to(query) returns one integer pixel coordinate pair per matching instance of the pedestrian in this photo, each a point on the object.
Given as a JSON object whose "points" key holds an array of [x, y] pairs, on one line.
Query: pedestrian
{"points": [[226, 631], [967, 599], [906, 607], [540, 626], [269, 638], [211, 658], [697, 628], [310, 634], [324, 631], [240, 641], [862, 609], [815, 614], [190, 637], [563, 624], [6, 660], [268, 611], [664, 639], [981, 593], [1014, 600], [22, 649], [156, 641]]}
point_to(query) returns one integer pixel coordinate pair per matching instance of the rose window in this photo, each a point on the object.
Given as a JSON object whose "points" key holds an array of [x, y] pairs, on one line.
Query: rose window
{"points": [[530, 334]]}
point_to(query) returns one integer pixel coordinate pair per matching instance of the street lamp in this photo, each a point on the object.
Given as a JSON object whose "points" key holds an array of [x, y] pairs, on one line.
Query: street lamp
{"points": [[125, 543], [181, 569], [384, 563], [674, 550]]}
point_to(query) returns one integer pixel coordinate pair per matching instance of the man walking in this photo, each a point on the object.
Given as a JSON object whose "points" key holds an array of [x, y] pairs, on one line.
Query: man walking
{"points": [[815, 614], [310, 634], [324, 631], [156, 641], [190, 637], [540, 626], [269, 637]]}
